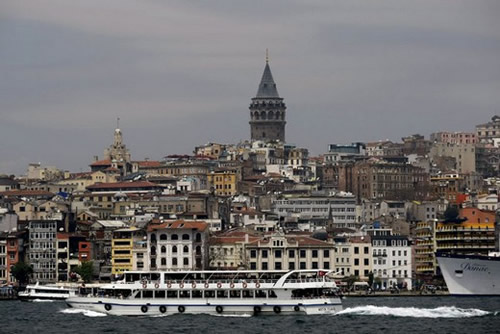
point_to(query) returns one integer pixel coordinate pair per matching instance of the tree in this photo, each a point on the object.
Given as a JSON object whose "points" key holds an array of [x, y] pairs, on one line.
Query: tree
{"points": [[370, 279], [350, 281], [86, 271], [21, 272], [451, 213]]}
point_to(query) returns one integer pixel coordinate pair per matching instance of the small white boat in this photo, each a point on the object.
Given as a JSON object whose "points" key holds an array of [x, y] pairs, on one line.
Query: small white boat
{"points": [[46, 292], [216, 292]]}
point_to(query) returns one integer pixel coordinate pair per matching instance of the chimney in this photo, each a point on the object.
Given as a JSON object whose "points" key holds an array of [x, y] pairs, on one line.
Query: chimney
{"points": [[96, 158], [246, 238]]}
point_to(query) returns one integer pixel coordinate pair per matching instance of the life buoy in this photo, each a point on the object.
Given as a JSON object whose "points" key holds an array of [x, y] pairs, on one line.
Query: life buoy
{"points": [[144, 308], [193, 285], [169, 285], [244, 285], [157, 285], [163, 309], [219, 309], [144, 285], [257, 285], [296, 308], [277, 309], [107, 307], [206, 285], [181, 285], [257, 309], [219, 285], [181, 309], [231, 285]]}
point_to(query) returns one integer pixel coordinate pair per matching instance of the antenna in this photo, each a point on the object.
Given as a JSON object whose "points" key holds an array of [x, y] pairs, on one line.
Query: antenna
{"points": [[267, 56], [118, 122]]}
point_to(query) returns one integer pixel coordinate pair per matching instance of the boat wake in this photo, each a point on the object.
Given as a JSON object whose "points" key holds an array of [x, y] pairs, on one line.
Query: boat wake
{"points": [[86, 313], [43, 301], [413, 312]]}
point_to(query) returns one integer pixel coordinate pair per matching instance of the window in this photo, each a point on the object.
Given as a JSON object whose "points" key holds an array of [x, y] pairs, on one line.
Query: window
{"points": [[326, 253], [356, 250], [367, 262], [315, 265], [326, 265], [366, 250], [175, 237], [253, 266], [185, 237], [356, 262], [264, 253], [253, 253], [277, 265], [174, 249], [277, 253], [185, 249], [302, 265], [264, 266], [198, 237], [163, 236], [163, 249], [302, 253], [163, 261], [186, 261], [314, 253], [291, 253], [291, 265]]}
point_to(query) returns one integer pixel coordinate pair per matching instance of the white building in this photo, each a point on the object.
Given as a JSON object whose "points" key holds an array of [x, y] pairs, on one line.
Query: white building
{"points": [[392, 261]]}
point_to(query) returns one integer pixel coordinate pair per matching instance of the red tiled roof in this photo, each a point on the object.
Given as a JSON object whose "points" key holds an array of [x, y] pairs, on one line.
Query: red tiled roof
{"points": [[148, 163], [179, 224], [105, 162], [122, 185], [26, 193]]}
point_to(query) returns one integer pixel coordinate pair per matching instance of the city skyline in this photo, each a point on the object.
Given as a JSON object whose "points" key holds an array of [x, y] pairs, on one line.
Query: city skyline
{"points": [[348, 71]]}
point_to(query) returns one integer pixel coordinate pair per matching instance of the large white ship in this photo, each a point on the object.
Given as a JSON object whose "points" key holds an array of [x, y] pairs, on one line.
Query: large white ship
{"points": [[470, 274], [50, 292], [215, 292]]}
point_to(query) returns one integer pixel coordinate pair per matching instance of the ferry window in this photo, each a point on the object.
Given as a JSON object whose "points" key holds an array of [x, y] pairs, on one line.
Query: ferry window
{"points": [[171, 294], [138, 295], [175, 237], [209, 294], [260, 294], [272, 294], [185, 237], [147, 293], [302, 253], [160, 294], [222, 294], [196, 293], [247, 294], [184, 294], [235, 294]]}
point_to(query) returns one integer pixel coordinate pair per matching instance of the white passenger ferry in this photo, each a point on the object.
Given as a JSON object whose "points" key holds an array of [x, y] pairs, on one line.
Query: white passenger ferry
{"points": [[215, 292], [50, 292]]}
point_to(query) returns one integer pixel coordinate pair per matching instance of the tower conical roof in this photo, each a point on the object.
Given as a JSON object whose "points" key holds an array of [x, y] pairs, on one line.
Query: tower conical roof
{"points": [[267, 86]]}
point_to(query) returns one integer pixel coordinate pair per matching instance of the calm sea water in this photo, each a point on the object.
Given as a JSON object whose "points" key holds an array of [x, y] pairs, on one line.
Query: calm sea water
{"points": [[361, 315]]}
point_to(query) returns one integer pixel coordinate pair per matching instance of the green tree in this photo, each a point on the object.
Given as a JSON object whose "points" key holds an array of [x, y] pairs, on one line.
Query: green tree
{"points": [[86, 271], [370, 279], [350, 281], [451, 213], [21, 272]]}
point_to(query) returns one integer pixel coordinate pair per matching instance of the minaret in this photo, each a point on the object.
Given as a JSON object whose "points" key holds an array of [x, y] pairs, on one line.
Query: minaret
{"points": [[267, 110]]}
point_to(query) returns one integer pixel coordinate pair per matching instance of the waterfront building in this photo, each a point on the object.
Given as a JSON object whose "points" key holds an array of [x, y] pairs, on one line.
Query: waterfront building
{"points": [[464, 155], [228, 249], [223, 182], [8, 183], [361, 256], [425, 247], [67, 254], [177, 245], [454, 137], [289, 252], [267, 111], [4, 275], [122, 255], [392, 261], [42, 249]]}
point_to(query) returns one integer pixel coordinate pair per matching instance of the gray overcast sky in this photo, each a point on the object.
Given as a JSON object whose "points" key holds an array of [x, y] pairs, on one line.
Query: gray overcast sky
{"points": [[182, 73]]}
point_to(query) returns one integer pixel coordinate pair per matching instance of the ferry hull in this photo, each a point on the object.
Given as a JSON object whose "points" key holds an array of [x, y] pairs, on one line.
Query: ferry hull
{"points": [[471, 275], [152, 308]]}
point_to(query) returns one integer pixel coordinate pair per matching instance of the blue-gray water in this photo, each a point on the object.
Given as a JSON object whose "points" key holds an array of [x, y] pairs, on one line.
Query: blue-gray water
{"points": [[441, 315]]}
